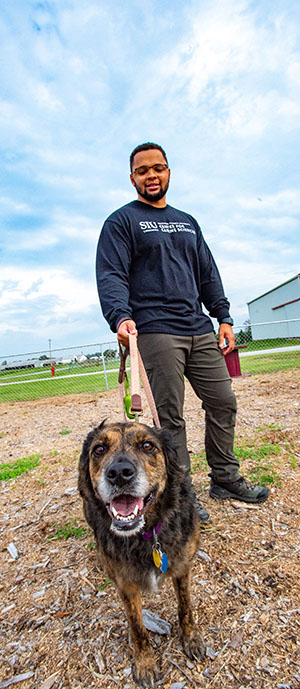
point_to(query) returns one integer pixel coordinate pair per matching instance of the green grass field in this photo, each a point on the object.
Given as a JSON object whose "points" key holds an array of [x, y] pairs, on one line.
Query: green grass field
{"points": [[270, 363], [57, 385], [60, 371], [272, 344], [67, 382]]}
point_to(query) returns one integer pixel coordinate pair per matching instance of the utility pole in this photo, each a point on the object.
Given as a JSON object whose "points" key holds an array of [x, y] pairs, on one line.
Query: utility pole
{"points": [[50, 349]]}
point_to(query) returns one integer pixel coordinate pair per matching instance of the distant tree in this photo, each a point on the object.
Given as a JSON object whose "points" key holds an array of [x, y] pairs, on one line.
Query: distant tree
{"points": [[109, 354], [240, 337], [248, 331], [43, 357], [244, 335], [4, 363]]}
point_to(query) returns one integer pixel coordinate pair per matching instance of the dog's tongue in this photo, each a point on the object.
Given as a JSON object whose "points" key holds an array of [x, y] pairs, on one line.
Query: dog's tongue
{"points": [[125, 504]]}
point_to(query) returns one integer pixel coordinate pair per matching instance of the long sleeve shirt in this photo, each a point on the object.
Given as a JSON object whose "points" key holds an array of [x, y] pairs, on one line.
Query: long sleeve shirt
{"points": [[154, 266]]}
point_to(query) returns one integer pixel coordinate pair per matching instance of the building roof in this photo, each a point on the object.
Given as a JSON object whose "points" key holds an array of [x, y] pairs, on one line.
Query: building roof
{"points": [[274, 288]]}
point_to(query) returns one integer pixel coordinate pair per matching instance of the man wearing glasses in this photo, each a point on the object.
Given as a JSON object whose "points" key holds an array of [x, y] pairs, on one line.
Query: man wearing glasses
{"points": [[154, 272]]}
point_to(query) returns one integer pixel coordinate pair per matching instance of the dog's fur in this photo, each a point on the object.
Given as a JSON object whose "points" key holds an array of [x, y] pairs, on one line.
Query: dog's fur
{"points": [[130, 482]]}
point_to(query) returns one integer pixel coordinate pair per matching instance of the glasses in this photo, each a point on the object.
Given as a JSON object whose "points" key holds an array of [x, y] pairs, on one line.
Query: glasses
{"points": [[143, 169]]}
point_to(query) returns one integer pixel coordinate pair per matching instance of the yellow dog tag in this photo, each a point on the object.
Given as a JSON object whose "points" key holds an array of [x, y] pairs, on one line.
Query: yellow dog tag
{"points": [[156, 557]]}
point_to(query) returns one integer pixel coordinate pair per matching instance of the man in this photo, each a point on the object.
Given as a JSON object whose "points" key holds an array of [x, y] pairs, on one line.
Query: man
{"points": [[154, 272]]}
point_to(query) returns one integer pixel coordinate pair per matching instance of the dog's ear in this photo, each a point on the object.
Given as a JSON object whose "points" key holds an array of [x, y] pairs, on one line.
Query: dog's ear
{"points": [[172, 463], [84, 479]]}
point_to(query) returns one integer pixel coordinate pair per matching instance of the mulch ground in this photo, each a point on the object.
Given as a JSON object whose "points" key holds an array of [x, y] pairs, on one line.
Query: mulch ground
{"points": [[61, 622]]}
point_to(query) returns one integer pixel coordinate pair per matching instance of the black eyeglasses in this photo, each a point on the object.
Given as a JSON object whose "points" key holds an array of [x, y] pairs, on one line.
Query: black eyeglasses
{"points": [[143, 169]]}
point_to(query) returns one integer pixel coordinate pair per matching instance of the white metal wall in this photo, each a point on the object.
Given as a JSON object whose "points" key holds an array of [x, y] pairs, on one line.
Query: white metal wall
{"points": [[261, 310]]}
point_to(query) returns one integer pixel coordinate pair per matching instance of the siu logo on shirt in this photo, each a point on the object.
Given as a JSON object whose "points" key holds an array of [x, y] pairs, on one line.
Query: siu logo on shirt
{"points": [[152, 226]]}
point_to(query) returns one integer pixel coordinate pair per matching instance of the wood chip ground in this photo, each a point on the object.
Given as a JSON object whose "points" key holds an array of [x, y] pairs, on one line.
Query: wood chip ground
{"points": [[61, 623]]}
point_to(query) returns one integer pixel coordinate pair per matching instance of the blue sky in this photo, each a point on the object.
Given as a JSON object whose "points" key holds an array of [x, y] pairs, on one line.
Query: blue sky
{"points": [[216, 83]]}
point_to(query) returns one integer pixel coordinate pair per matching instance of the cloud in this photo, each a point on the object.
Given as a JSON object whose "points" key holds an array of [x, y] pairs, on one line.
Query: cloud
{"points": [[34, 242], [284, 201], [11, 205], [61, 295], [216, 82]]}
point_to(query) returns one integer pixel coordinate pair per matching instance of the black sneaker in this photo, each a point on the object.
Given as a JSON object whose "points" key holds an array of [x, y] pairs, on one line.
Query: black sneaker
{"points": [[201, 511], [238, 490]]}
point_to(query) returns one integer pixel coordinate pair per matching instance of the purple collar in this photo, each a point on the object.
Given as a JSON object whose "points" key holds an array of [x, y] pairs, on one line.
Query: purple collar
{"points": [[148, 534]]}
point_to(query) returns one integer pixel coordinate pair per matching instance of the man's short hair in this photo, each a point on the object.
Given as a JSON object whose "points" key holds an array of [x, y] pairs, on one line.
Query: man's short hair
{"points": [[146, 147]]}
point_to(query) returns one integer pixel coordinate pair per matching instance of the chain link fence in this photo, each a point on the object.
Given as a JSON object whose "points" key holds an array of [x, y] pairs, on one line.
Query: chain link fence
{"points": [[94, 368]]}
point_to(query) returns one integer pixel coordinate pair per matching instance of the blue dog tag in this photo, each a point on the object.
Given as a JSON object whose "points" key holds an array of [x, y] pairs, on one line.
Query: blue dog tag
{"points": [[164, 563]]}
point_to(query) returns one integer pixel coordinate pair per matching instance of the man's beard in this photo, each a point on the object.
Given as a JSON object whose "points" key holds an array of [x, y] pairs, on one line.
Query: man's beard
{"points": [[152, 197]]}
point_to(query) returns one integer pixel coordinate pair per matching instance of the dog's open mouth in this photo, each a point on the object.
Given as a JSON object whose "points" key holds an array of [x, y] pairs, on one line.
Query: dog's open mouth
{"points": [[127, 511]]}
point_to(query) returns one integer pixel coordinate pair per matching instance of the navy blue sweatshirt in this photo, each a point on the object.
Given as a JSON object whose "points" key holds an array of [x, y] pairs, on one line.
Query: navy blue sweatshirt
{"points": [[154, 266]]}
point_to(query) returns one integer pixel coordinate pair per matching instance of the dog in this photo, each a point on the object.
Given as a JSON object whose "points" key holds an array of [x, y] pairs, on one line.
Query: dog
{"points": [[142, 508]]}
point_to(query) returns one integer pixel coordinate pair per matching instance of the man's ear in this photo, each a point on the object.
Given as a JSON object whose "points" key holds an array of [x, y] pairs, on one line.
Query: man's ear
{"points": [[132, 180]]}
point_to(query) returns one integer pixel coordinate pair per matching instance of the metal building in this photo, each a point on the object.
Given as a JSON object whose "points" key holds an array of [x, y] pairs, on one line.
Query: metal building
{"points": [[275, 311]]}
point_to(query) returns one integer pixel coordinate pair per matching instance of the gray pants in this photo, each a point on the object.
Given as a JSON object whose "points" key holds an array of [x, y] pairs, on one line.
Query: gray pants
{"points": [[167, 359]]}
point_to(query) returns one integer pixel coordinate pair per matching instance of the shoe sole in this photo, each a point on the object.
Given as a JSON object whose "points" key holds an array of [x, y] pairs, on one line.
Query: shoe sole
{"points": [[226, 495]]}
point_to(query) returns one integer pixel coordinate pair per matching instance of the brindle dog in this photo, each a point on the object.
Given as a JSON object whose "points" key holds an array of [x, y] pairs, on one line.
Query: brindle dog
{"points": [[133, 488]]}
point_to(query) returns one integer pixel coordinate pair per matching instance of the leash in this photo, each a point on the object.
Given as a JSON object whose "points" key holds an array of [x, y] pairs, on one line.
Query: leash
{"points": [[132, 408], [132, 402]]}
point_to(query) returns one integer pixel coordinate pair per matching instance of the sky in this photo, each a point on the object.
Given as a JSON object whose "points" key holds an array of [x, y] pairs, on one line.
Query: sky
{"points": [[215, 82]]}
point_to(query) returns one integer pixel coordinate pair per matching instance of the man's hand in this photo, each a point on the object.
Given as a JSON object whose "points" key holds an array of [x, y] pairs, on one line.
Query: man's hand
{"points": [[124, 329], [226, 333]]}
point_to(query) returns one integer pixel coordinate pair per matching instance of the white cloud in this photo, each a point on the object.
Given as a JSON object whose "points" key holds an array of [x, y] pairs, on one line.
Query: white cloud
{"points": [[11, 205], [33, 241], [285, 201], [67, 295], [45, 98], [216, 82], [234, 69]]}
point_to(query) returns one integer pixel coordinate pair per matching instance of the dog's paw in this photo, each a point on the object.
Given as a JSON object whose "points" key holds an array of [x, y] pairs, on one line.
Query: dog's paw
{"points": [[194, 646], [144, 671]]}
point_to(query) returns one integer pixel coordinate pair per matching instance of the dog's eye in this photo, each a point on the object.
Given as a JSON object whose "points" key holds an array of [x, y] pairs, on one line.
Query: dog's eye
{"points": [[99, 449], [147, 446]]}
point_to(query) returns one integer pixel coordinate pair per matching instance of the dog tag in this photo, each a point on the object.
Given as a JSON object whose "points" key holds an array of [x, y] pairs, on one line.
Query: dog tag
{"points": [[164, 563], [157, 557], [160, 559]]}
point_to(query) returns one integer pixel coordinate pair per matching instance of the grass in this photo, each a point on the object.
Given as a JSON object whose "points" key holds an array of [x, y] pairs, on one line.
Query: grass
{"points": [[260, 455], [261, 459], [55, 386], [68, 530], [64, 432], [106, 583], [91, 545], [272, 344], [198, 462], [287, 443], [64, 384], [270, 363], [262, 471], [20, 466], [60, 370]]}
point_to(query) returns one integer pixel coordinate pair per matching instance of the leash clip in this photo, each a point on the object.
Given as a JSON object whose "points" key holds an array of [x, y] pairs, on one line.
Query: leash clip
{"points": [[136, 405]]}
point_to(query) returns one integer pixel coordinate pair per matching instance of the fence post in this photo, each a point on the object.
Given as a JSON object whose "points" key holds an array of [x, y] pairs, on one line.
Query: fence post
{"points": [[104, 369]]}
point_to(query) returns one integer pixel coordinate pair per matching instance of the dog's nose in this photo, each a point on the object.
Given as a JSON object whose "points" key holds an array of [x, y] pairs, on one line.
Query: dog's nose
{"points": [[120, 472]]}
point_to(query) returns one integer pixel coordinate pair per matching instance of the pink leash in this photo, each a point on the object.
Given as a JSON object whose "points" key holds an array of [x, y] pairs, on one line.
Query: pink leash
{"points": [[136, 369]]}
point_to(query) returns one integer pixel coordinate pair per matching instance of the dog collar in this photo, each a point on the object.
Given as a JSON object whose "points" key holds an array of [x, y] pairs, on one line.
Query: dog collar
{"points": [[148, 534]]}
